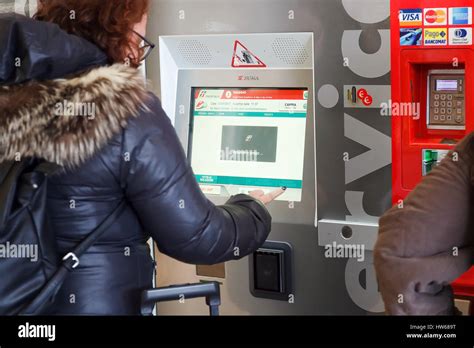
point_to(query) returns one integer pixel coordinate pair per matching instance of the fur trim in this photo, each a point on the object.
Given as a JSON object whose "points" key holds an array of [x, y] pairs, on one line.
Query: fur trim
{"points": [[67, 121]]}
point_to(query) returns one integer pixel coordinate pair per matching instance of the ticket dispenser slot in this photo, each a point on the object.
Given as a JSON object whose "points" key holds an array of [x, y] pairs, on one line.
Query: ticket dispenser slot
{"points": [[432, 158], [446, 104]]}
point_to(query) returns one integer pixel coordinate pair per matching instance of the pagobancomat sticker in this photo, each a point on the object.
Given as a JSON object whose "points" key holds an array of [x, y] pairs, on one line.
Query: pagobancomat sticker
{"points": [[436, 37]]}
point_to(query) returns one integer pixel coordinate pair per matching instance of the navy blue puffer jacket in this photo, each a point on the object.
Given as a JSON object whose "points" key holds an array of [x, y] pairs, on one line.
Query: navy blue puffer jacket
{"points": [[119, 145]]}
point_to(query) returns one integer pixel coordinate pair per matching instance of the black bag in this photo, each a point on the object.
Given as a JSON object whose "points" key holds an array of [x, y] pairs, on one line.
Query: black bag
{"points": [[31, 273]]}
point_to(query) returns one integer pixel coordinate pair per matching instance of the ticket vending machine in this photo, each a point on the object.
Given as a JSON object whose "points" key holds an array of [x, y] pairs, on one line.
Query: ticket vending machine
{"points": [[432, 78], [242, 106]]}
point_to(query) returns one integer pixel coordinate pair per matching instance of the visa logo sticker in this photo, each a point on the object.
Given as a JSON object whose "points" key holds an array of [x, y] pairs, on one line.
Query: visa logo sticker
{"points": [[460, 16], [436, 37], [411, 17], [460, 36], [436, 16]]}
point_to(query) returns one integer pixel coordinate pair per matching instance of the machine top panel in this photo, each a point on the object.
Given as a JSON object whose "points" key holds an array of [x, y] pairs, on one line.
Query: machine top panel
{"points": [[274, 51]]}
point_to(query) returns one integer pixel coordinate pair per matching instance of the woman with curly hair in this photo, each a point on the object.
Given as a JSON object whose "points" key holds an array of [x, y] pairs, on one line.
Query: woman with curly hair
{"points": [[124, 148]]}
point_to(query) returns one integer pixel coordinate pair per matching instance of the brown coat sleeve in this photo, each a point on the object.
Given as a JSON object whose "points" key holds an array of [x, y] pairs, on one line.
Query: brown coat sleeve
{"points": [[415, 254]]}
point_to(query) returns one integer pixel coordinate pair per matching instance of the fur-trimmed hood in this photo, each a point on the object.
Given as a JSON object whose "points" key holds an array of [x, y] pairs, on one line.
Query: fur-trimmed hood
{"points": [[59, 100], [67, 121]]}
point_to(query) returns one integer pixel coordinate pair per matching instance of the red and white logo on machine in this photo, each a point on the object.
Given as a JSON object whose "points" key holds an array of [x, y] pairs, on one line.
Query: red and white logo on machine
{"points": [[244, 58], [436, 16], [366, 98]]}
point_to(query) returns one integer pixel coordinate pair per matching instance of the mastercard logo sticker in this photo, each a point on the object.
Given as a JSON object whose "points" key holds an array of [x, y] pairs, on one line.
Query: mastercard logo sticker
{"points": [[436, 16]]}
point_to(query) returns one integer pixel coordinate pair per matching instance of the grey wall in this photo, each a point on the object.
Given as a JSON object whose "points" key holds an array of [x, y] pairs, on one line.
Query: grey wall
{"points": [[25, 7]]}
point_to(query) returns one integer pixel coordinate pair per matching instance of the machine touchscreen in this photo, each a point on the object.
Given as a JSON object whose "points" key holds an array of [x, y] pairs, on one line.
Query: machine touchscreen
{"points": [[247, 139]]}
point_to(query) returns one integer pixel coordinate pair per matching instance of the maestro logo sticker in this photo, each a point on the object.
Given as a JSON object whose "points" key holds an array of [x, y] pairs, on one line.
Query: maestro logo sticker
{"points": [[460, 36], [436, 37], [411, 17], [436, 16], [460, 16]]}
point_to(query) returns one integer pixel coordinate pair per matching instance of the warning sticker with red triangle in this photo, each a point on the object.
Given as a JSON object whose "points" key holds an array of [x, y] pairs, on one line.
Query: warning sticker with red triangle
{"points": [[243, 58]]}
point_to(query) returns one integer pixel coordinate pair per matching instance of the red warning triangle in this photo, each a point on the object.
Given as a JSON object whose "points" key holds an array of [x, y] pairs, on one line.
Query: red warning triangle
{"points": [[243, 58]]}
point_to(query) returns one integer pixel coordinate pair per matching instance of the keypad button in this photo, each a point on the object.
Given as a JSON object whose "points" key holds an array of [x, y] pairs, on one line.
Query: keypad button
{"points": [[442, 118], [443, 104], [449, 104], [459, 111], [450, 97], [449, 111], [436, 96], [449, 118], [459, 119], [443, 110], [436, 110], [443, 96], [459, 103], [436, 117], [436, 103]]}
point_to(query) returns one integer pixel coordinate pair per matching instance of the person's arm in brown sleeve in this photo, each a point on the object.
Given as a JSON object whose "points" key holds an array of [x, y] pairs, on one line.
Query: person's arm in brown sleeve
{"points": [[425, 244]]}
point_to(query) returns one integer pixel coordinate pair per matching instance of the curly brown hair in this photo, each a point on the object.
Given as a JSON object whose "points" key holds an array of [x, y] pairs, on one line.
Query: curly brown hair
{"points": [[106, 23]]}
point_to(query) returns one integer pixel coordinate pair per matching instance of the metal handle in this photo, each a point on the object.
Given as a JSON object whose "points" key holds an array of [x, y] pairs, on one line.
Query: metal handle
{"points": [[211, 291]]}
